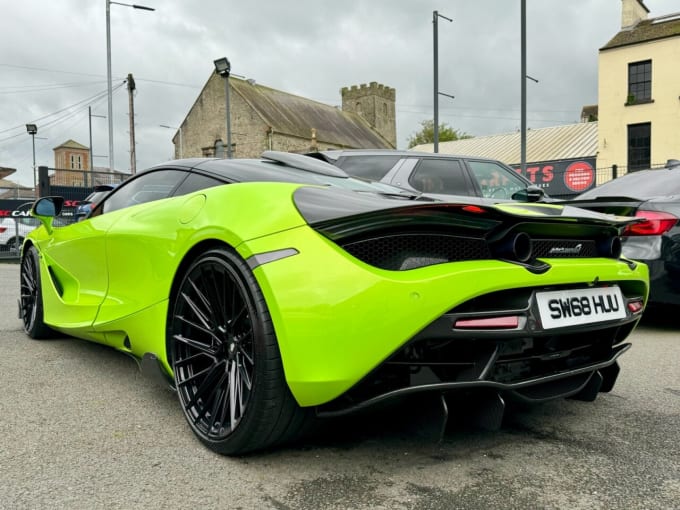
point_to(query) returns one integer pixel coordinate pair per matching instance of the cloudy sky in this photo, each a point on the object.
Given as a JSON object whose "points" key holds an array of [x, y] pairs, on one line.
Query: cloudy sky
{"points": [[53, 63]]}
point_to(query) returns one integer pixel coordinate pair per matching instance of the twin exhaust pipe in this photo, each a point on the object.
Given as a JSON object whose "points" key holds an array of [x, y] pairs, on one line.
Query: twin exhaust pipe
{"points": [[519, 247]]}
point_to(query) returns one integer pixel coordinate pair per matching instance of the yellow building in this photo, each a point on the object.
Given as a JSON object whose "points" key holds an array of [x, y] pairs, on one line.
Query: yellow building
{"points": [[639, 91]]}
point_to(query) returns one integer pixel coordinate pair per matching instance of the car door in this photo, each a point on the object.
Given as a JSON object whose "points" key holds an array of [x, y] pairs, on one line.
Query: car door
{"points": [[137, 239], [494, 180]]}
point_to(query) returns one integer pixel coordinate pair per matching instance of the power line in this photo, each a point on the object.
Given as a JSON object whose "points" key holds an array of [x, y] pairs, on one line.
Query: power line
{"points": [[87, 102]]}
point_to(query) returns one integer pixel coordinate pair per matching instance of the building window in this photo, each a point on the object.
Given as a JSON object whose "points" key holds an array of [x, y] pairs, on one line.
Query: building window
{"points": [[639, 82], [639, 146], [219, 149], [76, 162]]}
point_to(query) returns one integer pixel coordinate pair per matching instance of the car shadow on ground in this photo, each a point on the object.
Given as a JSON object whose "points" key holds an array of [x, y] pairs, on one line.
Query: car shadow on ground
{"points": [[661, 317]]}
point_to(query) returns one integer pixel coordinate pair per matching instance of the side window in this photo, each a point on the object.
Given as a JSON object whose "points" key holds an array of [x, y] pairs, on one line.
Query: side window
{"points": [[148, 187], [496, 181], [196, 182], [444, 176], [373, 168]]}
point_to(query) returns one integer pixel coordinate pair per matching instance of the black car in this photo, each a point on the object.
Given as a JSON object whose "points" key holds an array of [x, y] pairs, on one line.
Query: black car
{"points": [[85, 207], [655, 196], [437, 175]]}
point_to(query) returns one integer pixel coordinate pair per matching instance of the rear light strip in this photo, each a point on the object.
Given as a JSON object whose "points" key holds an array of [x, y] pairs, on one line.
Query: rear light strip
{"points": [[655, 224]]}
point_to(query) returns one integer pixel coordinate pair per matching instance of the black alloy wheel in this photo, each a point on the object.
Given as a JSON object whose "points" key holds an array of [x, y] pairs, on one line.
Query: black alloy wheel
{"points": [[31, 304], [225, 358]]}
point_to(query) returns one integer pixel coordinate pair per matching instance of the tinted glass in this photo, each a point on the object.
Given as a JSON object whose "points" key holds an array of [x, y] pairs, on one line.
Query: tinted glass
{"points": [[196, 182], [496, 181], [444, 176], [644, 184], [147, 187], [373, 167]]}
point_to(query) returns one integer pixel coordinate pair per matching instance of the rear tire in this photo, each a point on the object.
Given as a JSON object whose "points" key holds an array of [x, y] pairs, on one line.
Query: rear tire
{"points": [[226, 361], [31, 303]]}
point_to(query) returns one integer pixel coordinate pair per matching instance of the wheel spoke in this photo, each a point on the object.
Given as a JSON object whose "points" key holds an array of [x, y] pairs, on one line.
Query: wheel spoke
{"points": [[206, 349], [204, 386], [197, 311], [200, 328], [244, 375], [233, 390], [210, 276]]}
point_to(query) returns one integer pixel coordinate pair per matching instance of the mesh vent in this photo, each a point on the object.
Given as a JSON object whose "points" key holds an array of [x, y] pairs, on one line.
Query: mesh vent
{"points": [[408, 251]]}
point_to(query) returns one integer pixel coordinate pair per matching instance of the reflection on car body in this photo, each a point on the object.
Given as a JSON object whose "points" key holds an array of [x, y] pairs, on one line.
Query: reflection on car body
{"points": [[273, 292]]}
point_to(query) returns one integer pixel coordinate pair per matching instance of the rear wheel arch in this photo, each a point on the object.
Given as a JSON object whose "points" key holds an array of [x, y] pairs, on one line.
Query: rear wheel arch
{"points": [[224, 354]]}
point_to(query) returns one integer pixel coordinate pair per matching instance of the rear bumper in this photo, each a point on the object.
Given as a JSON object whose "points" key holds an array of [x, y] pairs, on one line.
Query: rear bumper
{"points": [[527, 362], [534, 390]]}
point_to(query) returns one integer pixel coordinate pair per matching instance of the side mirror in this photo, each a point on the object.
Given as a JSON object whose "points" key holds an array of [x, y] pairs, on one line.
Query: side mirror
{"points": [[45, 209], [531, 194]]}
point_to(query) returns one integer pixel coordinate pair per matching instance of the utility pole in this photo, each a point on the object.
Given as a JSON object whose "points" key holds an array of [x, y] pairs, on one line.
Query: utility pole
{"points": [[435, 52], [133, 155]]}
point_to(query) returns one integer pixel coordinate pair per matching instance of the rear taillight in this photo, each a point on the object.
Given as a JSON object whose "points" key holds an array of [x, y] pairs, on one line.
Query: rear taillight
{"points": [[2, 229], [509, 322], [655, 224]]}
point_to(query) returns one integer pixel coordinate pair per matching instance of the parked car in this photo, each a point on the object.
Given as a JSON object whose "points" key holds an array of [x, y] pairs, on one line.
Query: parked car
{"points": [[276, 291], [13, 230], [652, 195], [85, 207], [437, 175]]}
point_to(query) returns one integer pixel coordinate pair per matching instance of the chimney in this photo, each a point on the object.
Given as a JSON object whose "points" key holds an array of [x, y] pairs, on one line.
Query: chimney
{"points": [[632, 12]]}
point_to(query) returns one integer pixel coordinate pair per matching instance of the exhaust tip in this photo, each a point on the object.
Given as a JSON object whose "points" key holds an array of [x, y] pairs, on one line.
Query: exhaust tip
{"points": [[610, 247], [515, 247]]}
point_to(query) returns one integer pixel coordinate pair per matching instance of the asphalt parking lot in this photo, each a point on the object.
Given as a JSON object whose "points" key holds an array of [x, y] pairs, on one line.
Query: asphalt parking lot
{"points": [[81, 428]]}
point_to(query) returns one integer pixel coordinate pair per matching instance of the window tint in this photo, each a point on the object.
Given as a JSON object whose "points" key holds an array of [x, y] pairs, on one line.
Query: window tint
{"points": [[148, 187], [196, 182], [496, 181], [440, 176], [368, 167]]}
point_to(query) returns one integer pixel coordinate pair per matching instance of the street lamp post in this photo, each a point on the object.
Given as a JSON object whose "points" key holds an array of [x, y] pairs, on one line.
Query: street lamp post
{"points": [[181, 143], [108, 69], [435, 37], [223, 68], [32, 130]]}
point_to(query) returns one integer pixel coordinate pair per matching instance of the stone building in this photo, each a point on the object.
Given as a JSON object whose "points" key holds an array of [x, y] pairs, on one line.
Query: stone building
{"points": [[263, 118]]}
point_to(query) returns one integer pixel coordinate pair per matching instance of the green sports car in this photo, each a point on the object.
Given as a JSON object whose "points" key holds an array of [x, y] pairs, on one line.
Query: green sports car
{"points": [[272, 292]]}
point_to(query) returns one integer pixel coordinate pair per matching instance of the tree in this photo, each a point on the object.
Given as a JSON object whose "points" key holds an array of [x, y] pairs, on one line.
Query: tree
{"points": [[426, 134]]}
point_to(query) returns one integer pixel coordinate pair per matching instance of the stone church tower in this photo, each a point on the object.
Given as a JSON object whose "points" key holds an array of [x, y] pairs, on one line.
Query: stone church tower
{"points": [[375, 103]]}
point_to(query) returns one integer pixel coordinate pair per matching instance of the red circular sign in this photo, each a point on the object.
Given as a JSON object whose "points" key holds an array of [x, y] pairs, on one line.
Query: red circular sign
{"points": [[579, 176]]}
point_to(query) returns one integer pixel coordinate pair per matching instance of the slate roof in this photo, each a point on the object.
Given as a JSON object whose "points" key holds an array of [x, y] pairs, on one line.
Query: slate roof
{"points": [[71, 144], [651, 29], [297, 116], [545, 144]]}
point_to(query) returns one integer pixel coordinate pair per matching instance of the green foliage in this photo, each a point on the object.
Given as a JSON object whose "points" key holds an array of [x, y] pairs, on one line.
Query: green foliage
{"points": [[426, 134]]}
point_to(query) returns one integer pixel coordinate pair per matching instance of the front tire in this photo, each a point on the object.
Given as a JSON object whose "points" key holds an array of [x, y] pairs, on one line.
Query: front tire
{"points": [[226, 361], [31, 304]]}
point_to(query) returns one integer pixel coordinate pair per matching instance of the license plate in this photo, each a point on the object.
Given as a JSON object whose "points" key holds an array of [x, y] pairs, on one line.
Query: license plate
{"points": [[580, 306]]}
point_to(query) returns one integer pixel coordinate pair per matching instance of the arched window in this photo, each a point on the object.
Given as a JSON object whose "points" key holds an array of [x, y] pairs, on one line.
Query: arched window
{"points": [[219, 149]]}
